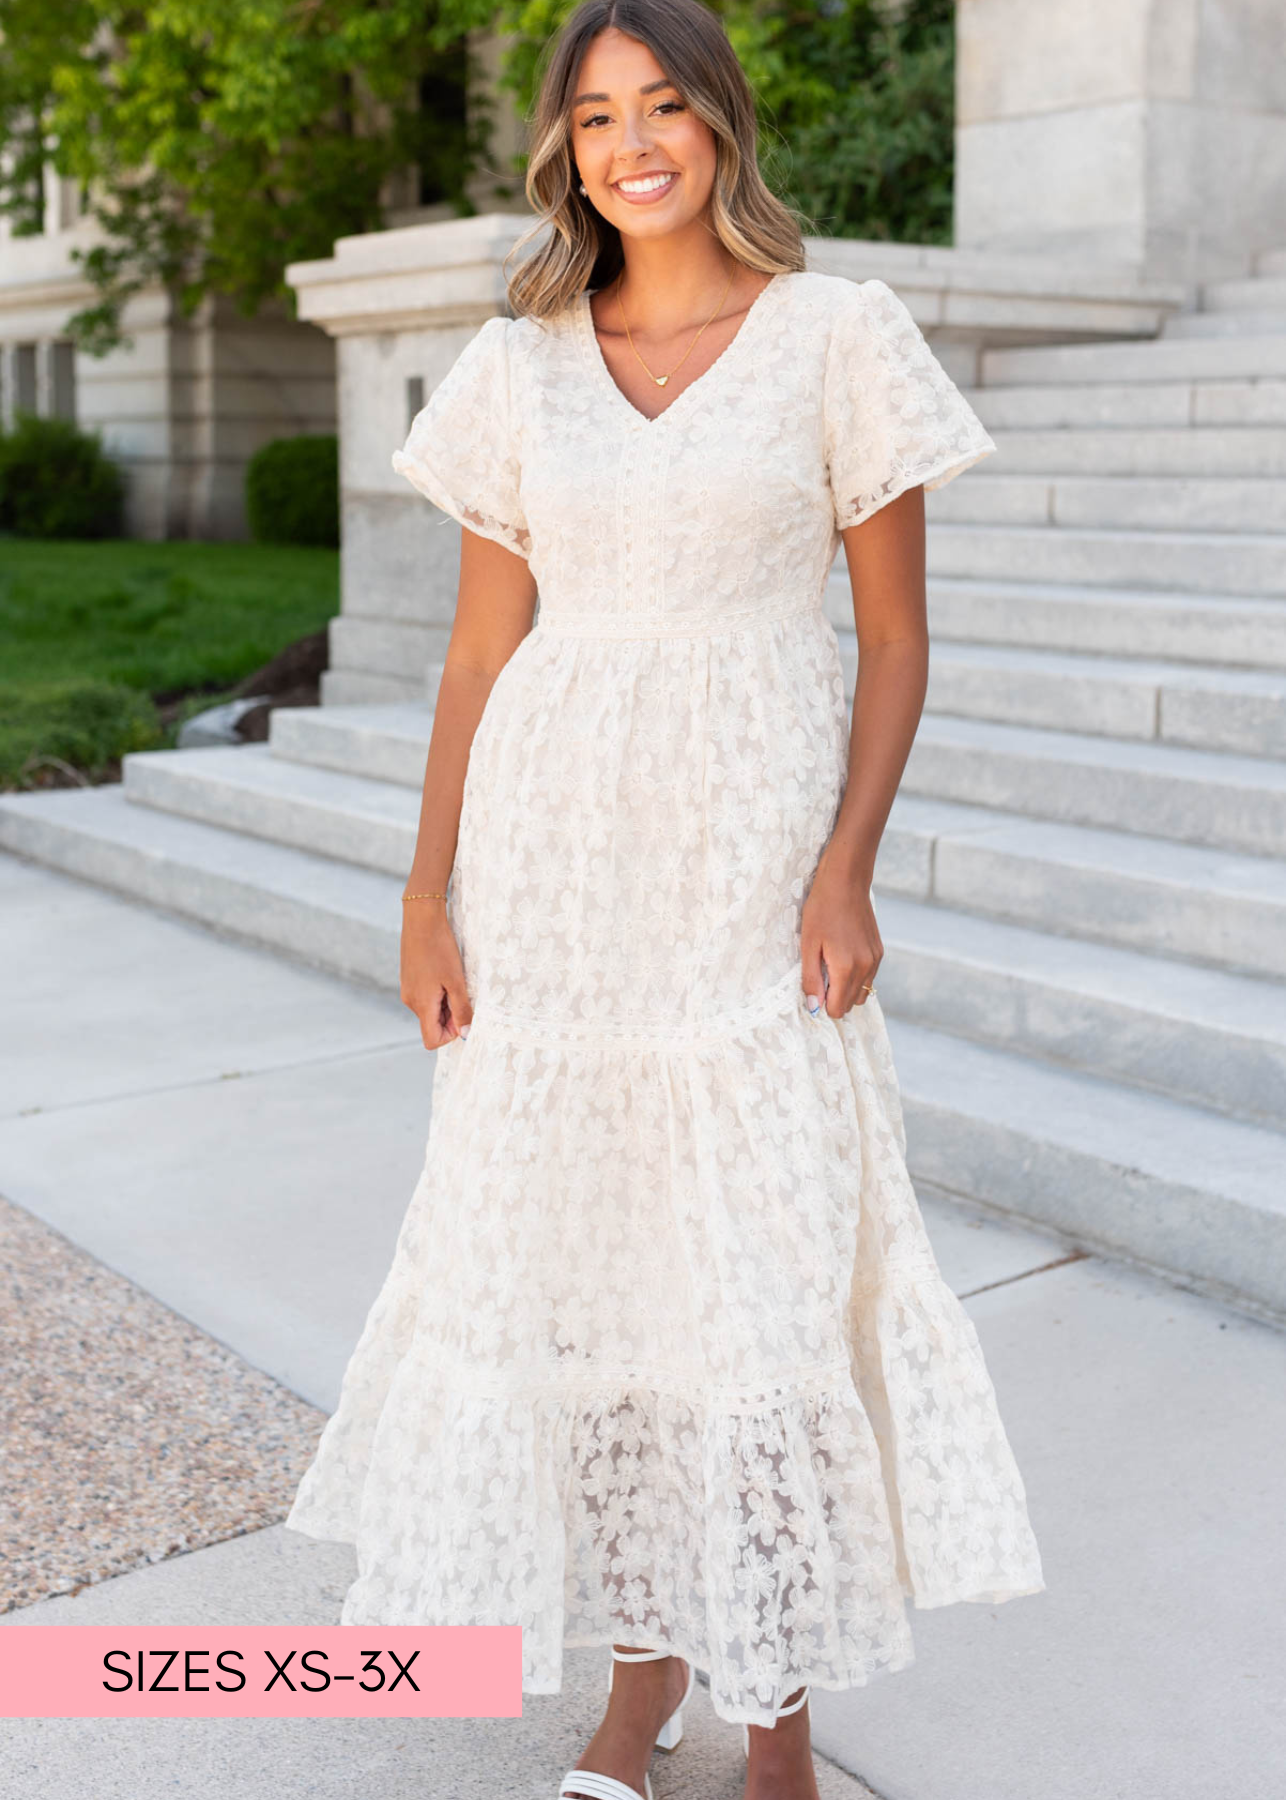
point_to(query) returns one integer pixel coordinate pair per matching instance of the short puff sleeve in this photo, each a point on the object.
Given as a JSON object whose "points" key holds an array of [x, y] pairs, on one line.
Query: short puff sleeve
{"points": [[461, 451], [894, 418]]}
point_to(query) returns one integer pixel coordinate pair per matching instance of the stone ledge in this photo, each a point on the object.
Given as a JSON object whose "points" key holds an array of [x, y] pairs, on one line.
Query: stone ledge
{"points": [[443, 274]]}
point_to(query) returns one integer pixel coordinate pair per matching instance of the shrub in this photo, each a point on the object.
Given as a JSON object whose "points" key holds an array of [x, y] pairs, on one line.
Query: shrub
{"points": [[56, 481], [85, 724], [292, 491]]}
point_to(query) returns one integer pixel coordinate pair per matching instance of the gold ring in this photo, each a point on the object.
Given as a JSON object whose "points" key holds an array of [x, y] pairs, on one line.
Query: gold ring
{"points": [[866, 989]]}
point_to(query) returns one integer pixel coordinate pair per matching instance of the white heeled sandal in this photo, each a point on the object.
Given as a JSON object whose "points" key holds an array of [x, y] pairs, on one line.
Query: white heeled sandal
{"points": [[607, 1787], [781, 1714]]}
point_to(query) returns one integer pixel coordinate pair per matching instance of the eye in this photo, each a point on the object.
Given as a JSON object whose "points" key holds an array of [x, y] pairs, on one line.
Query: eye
{"points": [[665, 106]]}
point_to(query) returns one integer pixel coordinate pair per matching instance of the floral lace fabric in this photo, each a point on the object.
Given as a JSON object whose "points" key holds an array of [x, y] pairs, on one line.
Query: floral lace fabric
{"points": [[664, 1356]]}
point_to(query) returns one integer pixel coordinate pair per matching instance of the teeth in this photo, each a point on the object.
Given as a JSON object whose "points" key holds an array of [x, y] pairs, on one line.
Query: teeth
{"points": [[644, 186]]}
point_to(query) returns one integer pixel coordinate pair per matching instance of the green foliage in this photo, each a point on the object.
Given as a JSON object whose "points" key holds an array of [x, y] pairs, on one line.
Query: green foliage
{"points": [[859, 100], [167, 618], [78, 726], [94, 638], [292, 491], [56, 481]]}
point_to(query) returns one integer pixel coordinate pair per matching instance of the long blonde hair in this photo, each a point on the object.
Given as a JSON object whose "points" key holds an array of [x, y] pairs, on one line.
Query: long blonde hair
{"points": [[582, 249]]}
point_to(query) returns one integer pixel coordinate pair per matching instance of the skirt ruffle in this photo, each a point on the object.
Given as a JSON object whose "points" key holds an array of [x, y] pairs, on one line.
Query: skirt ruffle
{"points": [[714, 1395]]}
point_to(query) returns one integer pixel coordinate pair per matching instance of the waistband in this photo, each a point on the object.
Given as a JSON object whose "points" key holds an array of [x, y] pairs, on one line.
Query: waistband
{"points": [[706, 621]]}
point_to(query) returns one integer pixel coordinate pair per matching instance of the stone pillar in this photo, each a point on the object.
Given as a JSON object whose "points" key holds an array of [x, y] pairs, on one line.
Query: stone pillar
{"points": [[1145, 133], [401, 305]]}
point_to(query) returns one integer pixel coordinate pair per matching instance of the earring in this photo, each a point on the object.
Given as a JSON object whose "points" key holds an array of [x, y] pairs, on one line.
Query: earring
{"points": [[583, 188]]}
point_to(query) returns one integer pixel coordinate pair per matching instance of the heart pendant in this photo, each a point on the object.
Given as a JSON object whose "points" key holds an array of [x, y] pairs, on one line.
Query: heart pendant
{"points": [[660, 380]]}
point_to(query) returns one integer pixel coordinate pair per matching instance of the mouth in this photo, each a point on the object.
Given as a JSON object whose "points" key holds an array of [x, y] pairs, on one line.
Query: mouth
{"points": [[643, 189]]}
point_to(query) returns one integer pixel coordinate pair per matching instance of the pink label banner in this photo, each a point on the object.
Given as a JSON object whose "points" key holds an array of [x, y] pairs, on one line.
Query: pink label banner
{"points": [[260, 1672]]}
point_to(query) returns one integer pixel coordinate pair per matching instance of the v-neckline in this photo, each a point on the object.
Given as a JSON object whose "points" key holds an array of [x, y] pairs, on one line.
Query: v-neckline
{"points": [[594, 351]]}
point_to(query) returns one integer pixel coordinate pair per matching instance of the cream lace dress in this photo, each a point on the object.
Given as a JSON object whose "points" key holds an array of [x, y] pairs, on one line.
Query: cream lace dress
{"points": [[664, 1357]]}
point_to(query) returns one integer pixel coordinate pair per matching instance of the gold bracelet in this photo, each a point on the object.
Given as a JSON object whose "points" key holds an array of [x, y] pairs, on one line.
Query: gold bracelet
{"points": [[407, 897]]}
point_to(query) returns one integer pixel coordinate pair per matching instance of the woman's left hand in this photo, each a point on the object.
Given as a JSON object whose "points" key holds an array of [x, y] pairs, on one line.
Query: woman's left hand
{"points": [[839, 940]]}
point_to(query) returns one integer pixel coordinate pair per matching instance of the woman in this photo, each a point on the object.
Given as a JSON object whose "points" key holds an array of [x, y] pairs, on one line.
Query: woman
{"points": [[664, 1359]]}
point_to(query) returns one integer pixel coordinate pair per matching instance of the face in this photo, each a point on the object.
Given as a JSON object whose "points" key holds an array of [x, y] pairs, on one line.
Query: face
{"points": [[630, 124]]}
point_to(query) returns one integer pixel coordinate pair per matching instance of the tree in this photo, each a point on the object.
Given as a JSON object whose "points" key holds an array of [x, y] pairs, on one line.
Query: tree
{"points": [[218, 143]]}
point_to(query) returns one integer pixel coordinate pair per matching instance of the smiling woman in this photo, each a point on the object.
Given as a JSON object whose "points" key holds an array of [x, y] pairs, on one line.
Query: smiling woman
{"points": [[665, 1361]]}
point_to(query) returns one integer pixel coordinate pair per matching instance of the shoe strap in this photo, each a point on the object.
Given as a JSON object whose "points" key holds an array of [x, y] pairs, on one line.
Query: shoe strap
{"points": [[599, 1787], [639, 1655]]}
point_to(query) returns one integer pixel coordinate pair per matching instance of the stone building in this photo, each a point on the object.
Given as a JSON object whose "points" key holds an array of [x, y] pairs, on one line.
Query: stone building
{"points": [[187, 402]]}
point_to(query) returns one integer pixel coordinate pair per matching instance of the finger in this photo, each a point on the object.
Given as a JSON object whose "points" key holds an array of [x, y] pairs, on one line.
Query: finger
{"points": [[461, 1010], [813, 976], [429, 1014], [842, 988]]}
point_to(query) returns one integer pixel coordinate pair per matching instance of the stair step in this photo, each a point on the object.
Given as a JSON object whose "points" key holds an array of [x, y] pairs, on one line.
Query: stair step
{"points": [[1150, 701], [1208, 451], [328, 914], [1209, 630], [1212, 504], [1224, 324], [1176, 794], [245, 788], [1234, 401], [350, 687], [1130, 1174], [1208, 562], [1175, 900], [384, 743], [1163, 790], [1254, 294], [1204, 1036], [384, 647], [1159, 359]]}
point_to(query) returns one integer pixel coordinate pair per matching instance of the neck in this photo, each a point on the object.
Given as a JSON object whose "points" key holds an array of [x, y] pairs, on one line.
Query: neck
{"points": [[667, 284]]}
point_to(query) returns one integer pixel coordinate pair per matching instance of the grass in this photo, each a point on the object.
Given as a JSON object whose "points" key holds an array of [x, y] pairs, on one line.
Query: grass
{"points": [[94, 635]]}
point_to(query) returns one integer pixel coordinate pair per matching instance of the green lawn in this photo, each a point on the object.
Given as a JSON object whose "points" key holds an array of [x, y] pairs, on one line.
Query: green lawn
{"points": [[95, 631]]}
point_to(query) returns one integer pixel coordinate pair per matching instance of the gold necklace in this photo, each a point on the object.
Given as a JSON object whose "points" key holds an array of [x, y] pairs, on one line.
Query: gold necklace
{"points": [[661, 380]]}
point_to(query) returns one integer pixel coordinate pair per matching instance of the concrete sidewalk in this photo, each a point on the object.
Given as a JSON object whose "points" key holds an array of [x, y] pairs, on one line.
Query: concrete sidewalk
{"points": [[240, 1137]]}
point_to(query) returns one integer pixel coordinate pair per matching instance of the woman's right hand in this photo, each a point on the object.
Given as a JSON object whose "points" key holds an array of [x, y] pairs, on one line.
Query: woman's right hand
{"points": [[433, 974]]}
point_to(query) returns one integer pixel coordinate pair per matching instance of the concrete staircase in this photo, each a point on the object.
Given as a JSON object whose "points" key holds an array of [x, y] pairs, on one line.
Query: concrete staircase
{"points": [[1083, 886]]}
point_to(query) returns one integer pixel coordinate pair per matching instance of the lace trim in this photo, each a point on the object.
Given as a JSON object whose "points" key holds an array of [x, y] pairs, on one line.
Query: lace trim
{"points": [[530, 1028], [936, 474], [422, 475], [606, 1382], [693, 622]]}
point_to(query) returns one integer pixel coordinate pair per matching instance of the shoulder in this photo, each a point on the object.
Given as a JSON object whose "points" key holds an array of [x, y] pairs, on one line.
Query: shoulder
{"points": [[841, 314], [853, 304]]}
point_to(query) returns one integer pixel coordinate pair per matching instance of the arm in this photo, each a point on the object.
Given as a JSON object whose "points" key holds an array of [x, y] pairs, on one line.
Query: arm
{"points": [[885, 556], [494, 609]]}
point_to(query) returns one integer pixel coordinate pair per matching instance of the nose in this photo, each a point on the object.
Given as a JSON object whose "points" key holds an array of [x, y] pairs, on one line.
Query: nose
{"points": [[635, 140]]}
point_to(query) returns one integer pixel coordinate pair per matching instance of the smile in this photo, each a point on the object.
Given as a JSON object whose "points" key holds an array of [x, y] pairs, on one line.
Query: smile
{"points": [[645, 187]]}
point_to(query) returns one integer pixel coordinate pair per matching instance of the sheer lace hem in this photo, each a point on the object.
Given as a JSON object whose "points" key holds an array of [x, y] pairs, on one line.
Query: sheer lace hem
{"points": [[935, 474], [764, 1544]]}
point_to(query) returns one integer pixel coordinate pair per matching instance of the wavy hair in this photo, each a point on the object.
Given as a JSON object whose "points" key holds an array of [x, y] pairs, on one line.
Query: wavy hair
{"points": [[583, 250]]}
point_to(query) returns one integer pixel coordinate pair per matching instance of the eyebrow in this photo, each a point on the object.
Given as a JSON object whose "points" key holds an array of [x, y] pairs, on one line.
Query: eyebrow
{"points": [[650, 88]]}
